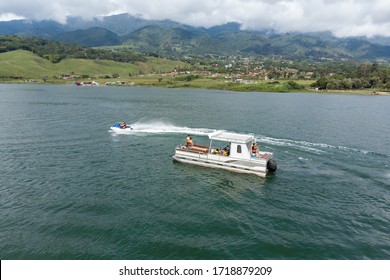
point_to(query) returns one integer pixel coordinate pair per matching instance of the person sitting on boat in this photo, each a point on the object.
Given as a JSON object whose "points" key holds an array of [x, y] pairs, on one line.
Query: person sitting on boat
{"points": [[189, 142], [123, 125], [254, 149], [225, 152]]}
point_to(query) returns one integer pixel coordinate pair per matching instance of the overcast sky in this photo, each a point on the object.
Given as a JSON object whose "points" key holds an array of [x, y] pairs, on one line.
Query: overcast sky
{"points": [[342, 17]]}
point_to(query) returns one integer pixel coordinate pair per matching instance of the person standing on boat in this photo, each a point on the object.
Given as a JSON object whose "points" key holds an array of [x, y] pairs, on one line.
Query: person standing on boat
{"points": [[254, 149], [123, 125], [189, 142]]}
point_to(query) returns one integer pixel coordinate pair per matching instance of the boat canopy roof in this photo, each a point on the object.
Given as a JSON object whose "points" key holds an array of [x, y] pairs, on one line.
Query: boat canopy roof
{"points": [[231, 137]]}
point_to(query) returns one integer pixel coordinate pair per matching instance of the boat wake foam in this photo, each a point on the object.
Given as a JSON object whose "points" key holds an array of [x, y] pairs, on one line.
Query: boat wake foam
{"points": [[164, 127], [302, 145], [318, 148]]}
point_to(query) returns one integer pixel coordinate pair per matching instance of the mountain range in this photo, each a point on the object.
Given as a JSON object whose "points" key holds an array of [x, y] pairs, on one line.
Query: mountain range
{"points": [[172, 39]]}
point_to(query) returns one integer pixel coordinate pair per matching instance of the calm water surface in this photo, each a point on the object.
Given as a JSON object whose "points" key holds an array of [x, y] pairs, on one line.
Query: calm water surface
{"points": [[70, 189]]}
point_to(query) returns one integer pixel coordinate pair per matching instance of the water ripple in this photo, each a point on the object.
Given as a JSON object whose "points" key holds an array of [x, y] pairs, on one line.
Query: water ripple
{"points": [[71, 190]]}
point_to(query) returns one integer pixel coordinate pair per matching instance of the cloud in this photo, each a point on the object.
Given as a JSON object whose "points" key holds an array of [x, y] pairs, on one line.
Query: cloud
{"points": [[9, 16], [342, 17]]}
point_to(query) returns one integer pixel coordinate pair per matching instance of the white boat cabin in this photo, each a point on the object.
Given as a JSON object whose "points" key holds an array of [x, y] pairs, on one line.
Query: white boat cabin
{"points": [[240, 144]]}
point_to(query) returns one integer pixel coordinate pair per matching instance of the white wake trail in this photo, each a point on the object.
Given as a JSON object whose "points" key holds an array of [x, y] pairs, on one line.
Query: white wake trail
{"points": [[164, 127], [308, 146]]}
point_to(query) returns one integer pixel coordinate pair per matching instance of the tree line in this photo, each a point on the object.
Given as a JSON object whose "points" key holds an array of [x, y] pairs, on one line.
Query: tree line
{"points": [[361, 76], [57, 51]]}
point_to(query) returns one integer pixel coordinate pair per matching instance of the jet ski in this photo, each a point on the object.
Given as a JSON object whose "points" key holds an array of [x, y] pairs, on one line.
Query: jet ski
{"points": [[119, 127]]}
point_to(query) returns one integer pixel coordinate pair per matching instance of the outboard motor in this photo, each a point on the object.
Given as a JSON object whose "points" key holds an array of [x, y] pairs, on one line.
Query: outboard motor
{"points": [[271, 166]]}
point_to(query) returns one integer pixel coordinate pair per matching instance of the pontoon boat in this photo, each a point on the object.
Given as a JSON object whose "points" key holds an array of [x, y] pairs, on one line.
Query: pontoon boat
{"points": [[238, 155]]}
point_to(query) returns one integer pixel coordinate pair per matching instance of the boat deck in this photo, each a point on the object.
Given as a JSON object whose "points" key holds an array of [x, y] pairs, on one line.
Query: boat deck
{"points": [[194, 149]]}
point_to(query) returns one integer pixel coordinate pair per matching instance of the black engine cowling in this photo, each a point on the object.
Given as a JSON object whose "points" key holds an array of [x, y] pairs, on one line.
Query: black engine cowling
{"points": [[271, 166]]}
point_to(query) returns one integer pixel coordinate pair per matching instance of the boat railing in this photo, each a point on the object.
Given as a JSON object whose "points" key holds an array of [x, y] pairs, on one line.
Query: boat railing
{"points": [[204, 151]]}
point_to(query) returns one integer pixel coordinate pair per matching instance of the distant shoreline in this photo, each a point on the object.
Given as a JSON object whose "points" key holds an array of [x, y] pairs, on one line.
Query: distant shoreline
{"points": [[136, 83]]}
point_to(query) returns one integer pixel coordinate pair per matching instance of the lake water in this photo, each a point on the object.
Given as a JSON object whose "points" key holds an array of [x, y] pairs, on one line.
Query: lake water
{"points": [[70, 189]]}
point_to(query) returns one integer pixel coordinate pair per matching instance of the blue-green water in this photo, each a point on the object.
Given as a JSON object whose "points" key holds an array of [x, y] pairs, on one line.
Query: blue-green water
{"points": [[70, 189]]}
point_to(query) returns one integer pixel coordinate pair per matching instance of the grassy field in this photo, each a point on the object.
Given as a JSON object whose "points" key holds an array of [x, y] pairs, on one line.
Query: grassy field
{"points": [[210, 83], [221, 84], [26, 65]]}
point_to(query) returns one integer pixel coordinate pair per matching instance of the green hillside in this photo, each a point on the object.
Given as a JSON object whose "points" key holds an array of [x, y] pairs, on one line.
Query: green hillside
{"points": [[26, 65], [57, 51]]}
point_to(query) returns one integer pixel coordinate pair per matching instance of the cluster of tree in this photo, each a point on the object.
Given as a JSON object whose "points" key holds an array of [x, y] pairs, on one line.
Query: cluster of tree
{"points": [[359, 77], [294, 86], [187, 78], [56, 51]]}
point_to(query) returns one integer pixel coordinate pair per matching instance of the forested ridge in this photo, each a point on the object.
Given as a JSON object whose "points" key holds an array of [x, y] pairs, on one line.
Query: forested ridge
{"points": [[57, 51]]}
